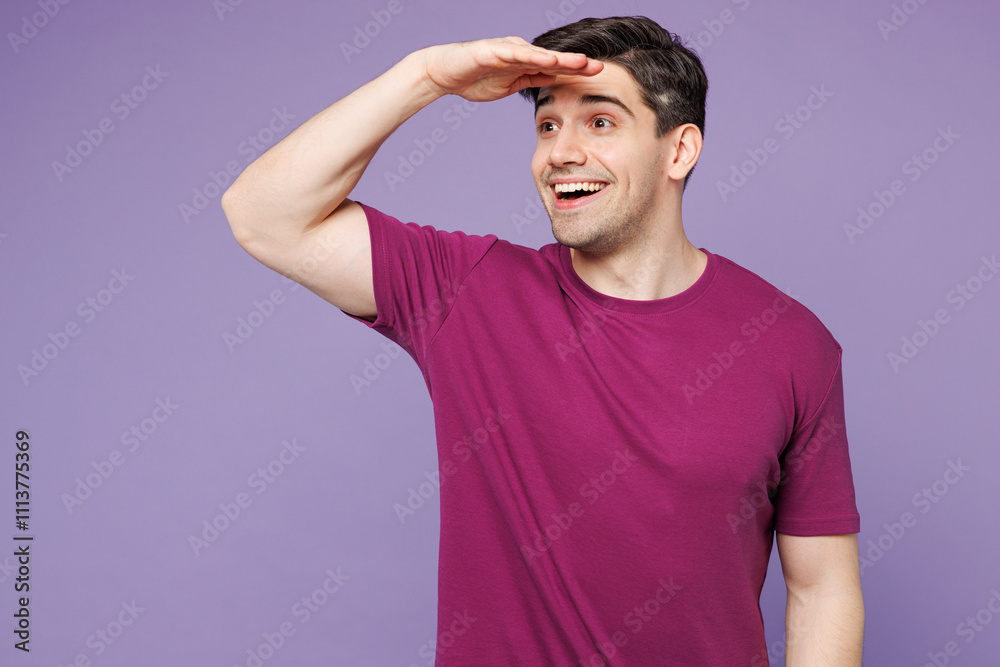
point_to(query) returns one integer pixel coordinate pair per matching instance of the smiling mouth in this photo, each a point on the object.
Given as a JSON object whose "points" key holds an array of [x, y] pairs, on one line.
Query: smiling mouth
{"points": [[579, 190]]}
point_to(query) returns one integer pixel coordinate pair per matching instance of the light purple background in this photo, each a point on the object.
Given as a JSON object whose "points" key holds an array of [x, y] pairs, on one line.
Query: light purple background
{"points": [[163, 335]]}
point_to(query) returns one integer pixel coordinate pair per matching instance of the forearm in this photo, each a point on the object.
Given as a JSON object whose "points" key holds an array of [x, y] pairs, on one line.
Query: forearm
{"points": [[304, 177], [824, 629]]}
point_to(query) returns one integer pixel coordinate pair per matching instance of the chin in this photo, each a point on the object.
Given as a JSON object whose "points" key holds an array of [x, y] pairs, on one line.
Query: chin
{"points": [[584, 244]]}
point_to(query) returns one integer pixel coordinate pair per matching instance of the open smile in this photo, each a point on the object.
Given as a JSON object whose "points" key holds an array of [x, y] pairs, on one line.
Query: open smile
{"points": [[576, 194]]}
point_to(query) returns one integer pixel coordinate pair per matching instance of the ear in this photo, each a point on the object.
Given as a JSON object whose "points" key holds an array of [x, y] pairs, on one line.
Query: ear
{"points": [[685, 142]]}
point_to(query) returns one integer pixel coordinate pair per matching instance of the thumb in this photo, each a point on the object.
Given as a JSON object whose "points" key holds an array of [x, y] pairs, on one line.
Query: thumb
{"points": [[532, 81]]}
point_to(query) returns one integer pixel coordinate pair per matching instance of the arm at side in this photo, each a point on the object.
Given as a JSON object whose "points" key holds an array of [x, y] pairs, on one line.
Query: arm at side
{"points": [[824, 614]]}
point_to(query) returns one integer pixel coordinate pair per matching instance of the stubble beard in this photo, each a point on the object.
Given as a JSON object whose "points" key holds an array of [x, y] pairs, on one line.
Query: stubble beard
{"points": [[615, 228], [611, 231], [610, 228]]}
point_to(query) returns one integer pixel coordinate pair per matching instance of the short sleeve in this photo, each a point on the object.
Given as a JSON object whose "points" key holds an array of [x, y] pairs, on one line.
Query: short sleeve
{"points": [[816, 492], [417, 274]]}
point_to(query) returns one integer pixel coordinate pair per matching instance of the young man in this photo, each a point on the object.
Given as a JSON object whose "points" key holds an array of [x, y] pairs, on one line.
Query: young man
{"points": [[623, 420]]}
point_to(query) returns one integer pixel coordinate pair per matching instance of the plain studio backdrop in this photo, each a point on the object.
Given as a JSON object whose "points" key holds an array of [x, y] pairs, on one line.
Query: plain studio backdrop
{"points": [[218, 459]]}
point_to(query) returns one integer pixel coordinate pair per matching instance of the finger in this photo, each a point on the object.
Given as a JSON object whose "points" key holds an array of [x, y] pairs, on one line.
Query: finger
{"points": [[525, 54], [531, 81], [592, 68], [555, 62], [529, 45]]}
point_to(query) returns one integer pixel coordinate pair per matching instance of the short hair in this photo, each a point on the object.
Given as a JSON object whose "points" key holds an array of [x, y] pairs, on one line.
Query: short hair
{"points": [[670, 76]]}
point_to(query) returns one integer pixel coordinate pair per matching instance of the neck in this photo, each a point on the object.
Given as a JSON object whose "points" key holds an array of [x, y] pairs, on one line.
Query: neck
{"points": [[653, 266]]}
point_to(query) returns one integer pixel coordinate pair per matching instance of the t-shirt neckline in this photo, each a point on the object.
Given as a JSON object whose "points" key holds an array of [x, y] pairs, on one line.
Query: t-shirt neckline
{"points": [[668, 304]]}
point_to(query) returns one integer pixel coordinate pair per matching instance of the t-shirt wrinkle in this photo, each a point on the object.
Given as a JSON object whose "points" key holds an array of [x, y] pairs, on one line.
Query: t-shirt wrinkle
{"points": [[458, 291], [826, 395]]}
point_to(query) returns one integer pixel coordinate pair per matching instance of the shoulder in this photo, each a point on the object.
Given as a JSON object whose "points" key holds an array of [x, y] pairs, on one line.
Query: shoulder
{"points": [[773, 317]]}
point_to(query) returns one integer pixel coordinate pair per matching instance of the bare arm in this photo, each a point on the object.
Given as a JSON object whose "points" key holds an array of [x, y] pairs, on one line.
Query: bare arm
{"points": [[289, 208], [825, 614]]}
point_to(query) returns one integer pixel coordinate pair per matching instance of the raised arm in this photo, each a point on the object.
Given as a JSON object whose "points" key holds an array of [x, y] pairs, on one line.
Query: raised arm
{"points": [[289, 208]]}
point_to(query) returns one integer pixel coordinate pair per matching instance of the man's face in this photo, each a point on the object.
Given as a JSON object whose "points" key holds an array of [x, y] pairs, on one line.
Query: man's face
{"points": [[597, 131]]}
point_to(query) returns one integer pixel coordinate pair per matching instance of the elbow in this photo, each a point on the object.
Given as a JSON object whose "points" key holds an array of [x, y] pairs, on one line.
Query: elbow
{"points": [[230, 202], [241, 224], [231, 207]]}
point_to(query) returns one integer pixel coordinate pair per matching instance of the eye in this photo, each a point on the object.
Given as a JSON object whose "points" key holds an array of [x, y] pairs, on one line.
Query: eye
{"points": [[602, 123], [546, 126]]}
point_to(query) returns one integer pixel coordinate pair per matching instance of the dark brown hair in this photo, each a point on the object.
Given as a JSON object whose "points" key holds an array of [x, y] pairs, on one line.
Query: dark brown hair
{"points": [[670, 76]]}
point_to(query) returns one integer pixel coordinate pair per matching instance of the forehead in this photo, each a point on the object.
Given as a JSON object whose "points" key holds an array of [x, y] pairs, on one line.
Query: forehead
{"points": [[613, 82]]}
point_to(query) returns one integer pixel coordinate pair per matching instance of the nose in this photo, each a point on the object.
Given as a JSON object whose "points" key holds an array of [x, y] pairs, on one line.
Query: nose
{"points": [[566, 148]]}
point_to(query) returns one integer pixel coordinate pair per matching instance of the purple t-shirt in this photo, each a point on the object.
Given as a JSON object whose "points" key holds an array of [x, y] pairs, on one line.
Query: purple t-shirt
{"points": [[612, 471]]}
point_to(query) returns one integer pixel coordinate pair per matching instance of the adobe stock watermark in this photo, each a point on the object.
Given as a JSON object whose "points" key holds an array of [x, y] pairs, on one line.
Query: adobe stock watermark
{"points": [[122, 107], [751, 331], [968, 629], [560, 14], [138, 435], [32, 25], [634, 620], [303, 610], [460, 624], [595, 488], [787, 126], [364, 34], [463, 449], [761, 495], [304, 268], [899, 17], [105, 636], [795, 633], [423, 317], [7, 569], [259, 481], [408, 163], [715, 26], [224, 7], [247, 325], [916, 166], [373, 367], [88, 310], [926, 330], [924, 500], [249, 150], [526, 216], [577, 337], [419, 495]]}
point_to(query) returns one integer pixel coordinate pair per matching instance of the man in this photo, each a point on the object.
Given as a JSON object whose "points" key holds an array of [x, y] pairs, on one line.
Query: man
{"points": [[623, 420]]}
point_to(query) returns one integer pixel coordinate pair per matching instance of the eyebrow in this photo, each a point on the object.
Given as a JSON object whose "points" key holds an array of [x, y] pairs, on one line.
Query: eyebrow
{"points": [[588, 100]]}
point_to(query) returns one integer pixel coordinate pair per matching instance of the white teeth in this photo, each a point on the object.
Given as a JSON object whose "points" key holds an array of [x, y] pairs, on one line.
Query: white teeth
{"points": [[573, 187]]}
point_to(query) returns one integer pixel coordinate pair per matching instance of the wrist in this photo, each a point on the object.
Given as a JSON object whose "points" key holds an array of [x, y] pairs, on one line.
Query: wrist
{"points": [[415, 64]]}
